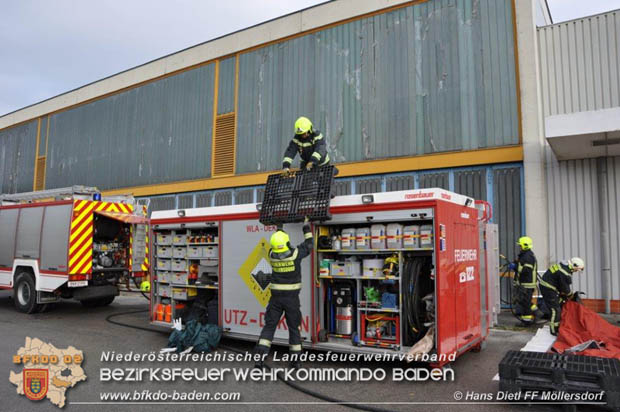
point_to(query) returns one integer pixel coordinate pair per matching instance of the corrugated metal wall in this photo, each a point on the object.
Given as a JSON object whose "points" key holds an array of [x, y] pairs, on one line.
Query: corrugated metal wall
{"points": [[226, 86], [508, 214], [580, 64], [156, 133], [574, 219], [17, 154], [431, 77], [613, 192]]}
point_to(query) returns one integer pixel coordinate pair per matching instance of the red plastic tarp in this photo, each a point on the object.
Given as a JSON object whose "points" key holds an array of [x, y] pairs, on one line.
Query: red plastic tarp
{"points": [[579, 324]]}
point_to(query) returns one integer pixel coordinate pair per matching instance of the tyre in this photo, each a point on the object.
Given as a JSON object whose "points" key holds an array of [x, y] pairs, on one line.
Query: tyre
{"points": [[25, 294], [106, 301], [90, 303], [93, 303]]}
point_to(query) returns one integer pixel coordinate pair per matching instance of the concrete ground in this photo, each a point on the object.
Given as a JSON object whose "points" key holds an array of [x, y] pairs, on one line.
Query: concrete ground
{"points": [[87, 330]]}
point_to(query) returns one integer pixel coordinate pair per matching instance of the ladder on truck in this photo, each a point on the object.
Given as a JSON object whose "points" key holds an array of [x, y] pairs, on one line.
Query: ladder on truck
{"points": [[75, 192], [290, 198]]}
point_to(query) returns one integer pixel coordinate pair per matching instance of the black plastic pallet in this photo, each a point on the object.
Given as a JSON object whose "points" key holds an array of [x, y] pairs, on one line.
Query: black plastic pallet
{"points": [[585, 372], [289, 199], [539, 392]]}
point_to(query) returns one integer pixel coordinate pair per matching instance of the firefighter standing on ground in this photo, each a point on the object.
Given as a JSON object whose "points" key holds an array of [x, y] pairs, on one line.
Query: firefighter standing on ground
{"points": [[285, 287], [555, 287], [525, 281], [310, 145]]}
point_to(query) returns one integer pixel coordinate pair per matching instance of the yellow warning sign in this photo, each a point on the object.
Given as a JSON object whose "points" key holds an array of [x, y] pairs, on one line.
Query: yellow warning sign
{"points": [[257, 262]]}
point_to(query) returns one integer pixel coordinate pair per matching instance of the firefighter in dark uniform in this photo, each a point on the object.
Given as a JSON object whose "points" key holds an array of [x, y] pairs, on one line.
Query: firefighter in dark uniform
{"points": [[525, 279], [310, 145], [555, 287], [285, 287]]}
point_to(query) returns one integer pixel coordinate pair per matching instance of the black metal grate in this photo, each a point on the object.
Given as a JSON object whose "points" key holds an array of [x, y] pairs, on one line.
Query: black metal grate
{"points": [[573, 371], [289, 199]]}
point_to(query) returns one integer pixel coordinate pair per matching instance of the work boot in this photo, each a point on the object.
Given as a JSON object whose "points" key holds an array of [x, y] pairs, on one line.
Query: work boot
{"points": [[295, 364], [259, 364]]}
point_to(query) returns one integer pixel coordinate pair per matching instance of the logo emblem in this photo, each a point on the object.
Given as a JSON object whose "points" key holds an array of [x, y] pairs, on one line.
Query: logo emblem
{"points": [[250, 272], [35, 383]]}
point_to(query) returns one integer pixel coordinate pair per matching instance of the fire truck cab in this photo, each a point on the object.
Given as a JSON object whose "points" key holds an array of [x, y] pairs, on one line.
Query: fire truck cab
{"points": [[70, 243]]}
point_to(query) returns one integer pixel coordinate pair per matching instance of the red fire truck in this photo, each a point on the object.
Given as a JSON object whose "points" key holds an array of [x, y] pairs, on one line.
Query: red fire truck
{"points": [[387, 270], [70, 243]]}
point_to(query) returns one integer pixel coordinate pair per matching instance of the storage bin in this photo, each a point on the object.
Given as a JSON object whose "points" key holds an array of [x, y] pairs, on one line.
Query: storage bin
{"points": [[411, 237], [347, 239], [194, 252], [180, 239], [184, 293], [164, 239], [362, 238], [347, 268], [179, 252], [164, 291], [180, 278], [377, 237], [164, 276], [164, 251], [426, 236], [394, 233], [210, 252], [372, 267], [179, 265], [163, 264]]}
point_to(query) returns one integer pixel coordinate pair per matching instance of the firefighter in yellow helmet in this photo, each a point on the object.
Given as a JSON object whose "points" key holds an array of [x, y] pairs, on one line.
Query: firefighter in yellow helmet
{"points": [[525, 280], [555, 287], [310, 145], [285, 287]]}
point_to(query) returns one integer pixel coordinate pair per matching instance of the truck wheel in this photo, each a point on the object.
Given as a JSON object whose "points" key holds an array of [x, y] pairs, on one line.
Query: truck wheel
{"points": [[25, 294], [106, 301], [90, 303]]}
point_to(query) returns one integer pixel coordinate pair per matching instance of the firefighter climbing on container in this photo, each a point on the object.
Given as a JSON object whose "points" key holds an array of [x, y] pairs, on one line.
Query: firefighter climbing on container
{"points": [[555, 286], [310, 145], [525, 268], [285, 287]]}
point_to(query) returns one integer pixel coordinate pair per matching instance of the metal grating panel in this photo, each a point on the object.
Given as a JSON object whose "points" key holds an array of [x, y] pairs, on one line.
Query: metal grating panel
{"points": [[243, 196], [186, 201], [162, 203], [203, 199], [580, 64], [394, 183], [507, 214], [17, 157], [223, 198], [368, 185], [224, 145], [471, 183], [428, 180]]}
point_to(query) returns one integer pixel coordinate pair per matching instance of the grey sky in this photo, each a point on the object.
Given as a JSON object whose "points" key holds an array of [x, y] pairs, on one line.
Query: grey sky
{"points": [[48, 47]]}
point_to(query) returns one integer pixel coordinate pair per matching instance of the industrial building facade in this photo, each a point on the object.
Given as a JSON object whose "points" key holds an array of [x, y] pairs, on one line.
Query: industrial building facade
{"points": [[413, 94]]}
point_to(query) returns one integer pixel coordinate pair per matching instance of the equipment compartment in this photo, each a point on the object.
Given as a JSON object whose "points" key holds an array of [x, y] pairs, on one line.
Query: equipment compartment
{"points": [[364, 275]]}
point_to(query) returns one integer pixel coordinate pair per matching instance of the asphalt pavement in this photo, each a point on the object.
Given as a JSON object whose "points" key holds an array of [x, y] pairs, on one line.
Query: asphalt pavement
{"points": [[69, 324]]}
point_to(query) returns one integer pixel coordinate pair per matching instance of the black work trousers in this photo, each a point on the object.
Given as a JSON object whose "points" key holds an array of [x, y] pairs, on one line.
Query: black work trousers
{"points": [[286, 301], [552, 301], [523, 303]]}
